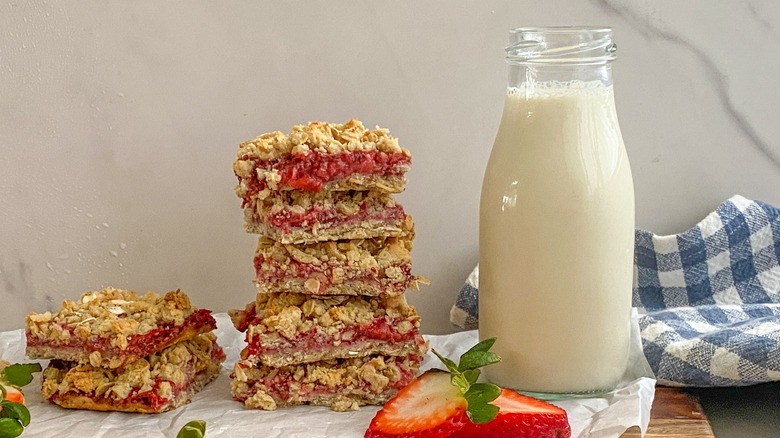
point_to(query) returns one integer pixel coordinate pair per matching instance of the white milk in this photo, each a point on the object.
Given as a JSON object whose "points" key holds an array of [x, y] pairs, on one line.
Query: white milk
{"points": [[556, 241]]}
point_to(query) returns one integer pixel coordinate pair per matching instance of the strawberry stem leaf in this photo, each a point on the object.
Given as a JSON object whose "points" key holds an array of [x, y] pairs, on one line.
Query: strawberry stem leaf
{"points": [[479, 397], [471, 376], [485, 345], [464, 376], [460, 381], [472, 360], [452, 367]]}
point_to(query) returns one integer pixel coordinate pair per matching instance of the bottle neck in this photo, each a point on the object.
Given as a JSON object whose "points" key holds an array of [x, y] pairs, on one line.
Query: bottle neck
{"points": [[530, 76]]}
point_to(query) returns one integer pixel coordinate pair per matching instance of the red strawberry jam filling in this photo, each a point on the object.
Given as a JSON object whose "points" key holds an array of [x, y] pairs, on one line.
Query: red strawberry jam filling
{"points": [[312, 340], [151, 398], [139, 345], [311, 170], [326, 217]]}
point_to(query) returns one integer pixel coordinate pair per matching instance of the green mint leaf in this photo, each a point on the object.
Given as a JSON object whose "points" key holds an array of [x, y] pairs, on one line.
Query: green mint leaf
{"points": [[20, 374], [190, 432], [478, 398], [451, 366], [16, 411], [485, 345], [193, 429], [472, 360], [471, 376], [10, 428]]}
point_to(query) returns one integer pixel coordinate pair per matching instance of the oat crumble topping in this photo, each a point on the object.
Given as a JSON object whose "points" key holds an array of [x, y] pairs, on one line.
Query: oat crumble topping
{"points": [[110, 312], [346, 202], [323, 137], [363, 254], [288, 314]]}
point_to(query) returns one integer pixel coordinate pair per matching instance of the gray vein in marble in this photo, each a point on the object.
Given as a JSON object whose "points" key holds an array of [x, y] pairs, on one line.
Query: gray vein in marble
{"points": [[717, 79], [758, 17], [19, 282]]}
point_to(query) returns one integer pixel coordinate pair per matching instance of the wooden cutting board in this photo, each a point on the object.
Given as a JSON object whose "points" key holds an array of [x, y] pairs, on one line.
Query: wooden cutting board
{"points": [[675, 413]]}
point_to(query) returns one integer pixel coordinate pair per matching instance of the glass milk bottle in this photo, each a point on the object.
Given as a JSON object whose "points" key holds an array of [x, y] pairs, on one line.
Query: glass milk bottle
{"points": [[556, 232]]}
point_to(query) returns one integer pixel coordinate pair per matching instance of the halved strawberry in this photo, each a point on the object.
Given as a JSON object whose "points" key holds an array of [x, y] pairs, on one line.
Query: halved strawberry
{"points": [[520, 416], [13, 394], [453, 404], [430, 406]]}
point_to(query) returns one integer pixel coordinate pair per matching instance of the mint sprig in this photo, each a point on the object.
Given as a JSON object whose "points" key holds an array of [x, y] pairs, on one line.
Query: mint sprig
{"points": [[193, 429], [465, 374], [14, 417], [20, 374], [10, 427]]}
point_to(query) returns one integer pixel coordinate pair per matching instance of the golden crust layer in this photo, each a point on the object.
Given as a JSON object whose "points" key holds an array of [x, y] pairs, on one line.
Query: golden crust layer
{"points": [[290, 356]]}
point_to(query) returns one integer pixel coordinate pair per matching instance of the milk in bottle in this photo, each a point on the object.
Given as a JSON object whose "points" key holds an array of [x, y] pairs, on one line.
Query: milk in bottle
{"points": [[557, 219]]}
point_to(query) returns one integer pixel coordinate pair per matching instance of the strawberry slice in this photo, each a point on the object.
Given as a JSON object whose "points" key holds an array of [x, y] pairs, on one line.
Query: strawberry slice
{"points": [[13, 394], [454, 404], [520, 416], [430, 406]]}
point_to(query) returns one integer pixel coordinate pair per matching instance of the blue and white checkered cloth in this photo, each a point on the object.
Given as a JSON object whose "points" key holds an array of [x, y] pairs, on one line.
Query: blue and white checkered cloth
{"points": [[709, 298]]}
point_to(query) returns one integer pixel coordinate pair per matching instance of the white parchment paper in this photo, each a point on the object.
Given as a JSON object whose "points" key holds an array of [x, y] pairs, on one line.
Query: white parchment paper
{"points": [[606, 416]]}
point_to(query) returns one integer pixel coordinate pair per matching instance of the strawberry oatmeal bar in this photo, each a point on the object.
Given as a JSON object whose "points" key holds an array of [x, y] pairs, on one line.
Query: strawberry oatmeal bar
{"points": [[380, 265], [322, 156], [342, 384], [112, 327], [330, 324], [157, 383], [303, 217], [287, 328]]}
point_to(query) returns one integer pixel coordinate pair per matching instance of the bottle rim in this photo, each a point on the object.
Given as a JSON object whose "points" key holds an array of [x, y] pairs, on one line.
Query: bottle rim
{"points": [[582, 45]]}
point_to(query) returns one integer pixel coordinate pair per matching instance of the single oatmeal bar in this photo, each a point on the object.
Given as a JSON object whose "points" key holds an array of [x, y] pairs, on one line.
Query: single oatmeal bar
{"points": [[322, 156], [288, 328], [304, 217], [342, 384], [346, 267], [112, 327], [160, 382]]}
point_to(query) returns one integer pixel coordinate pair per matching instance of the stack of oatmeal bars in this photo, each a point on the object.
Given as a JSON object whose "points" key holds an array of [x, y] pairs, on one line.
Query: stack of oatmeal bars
{"points": [[330, 324], [115, 350]]}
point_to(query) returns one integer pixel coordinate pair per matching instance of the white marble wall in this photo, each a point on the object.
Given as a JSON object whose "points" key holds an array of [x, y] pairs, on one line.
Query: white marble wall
{"points": [[119, 122]]}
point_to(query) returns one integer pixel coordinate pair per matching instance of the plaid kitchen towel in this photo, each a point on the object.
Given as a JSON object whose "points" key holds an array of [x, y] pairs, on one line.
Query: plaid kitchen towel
{"points": [[709, 298]]}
